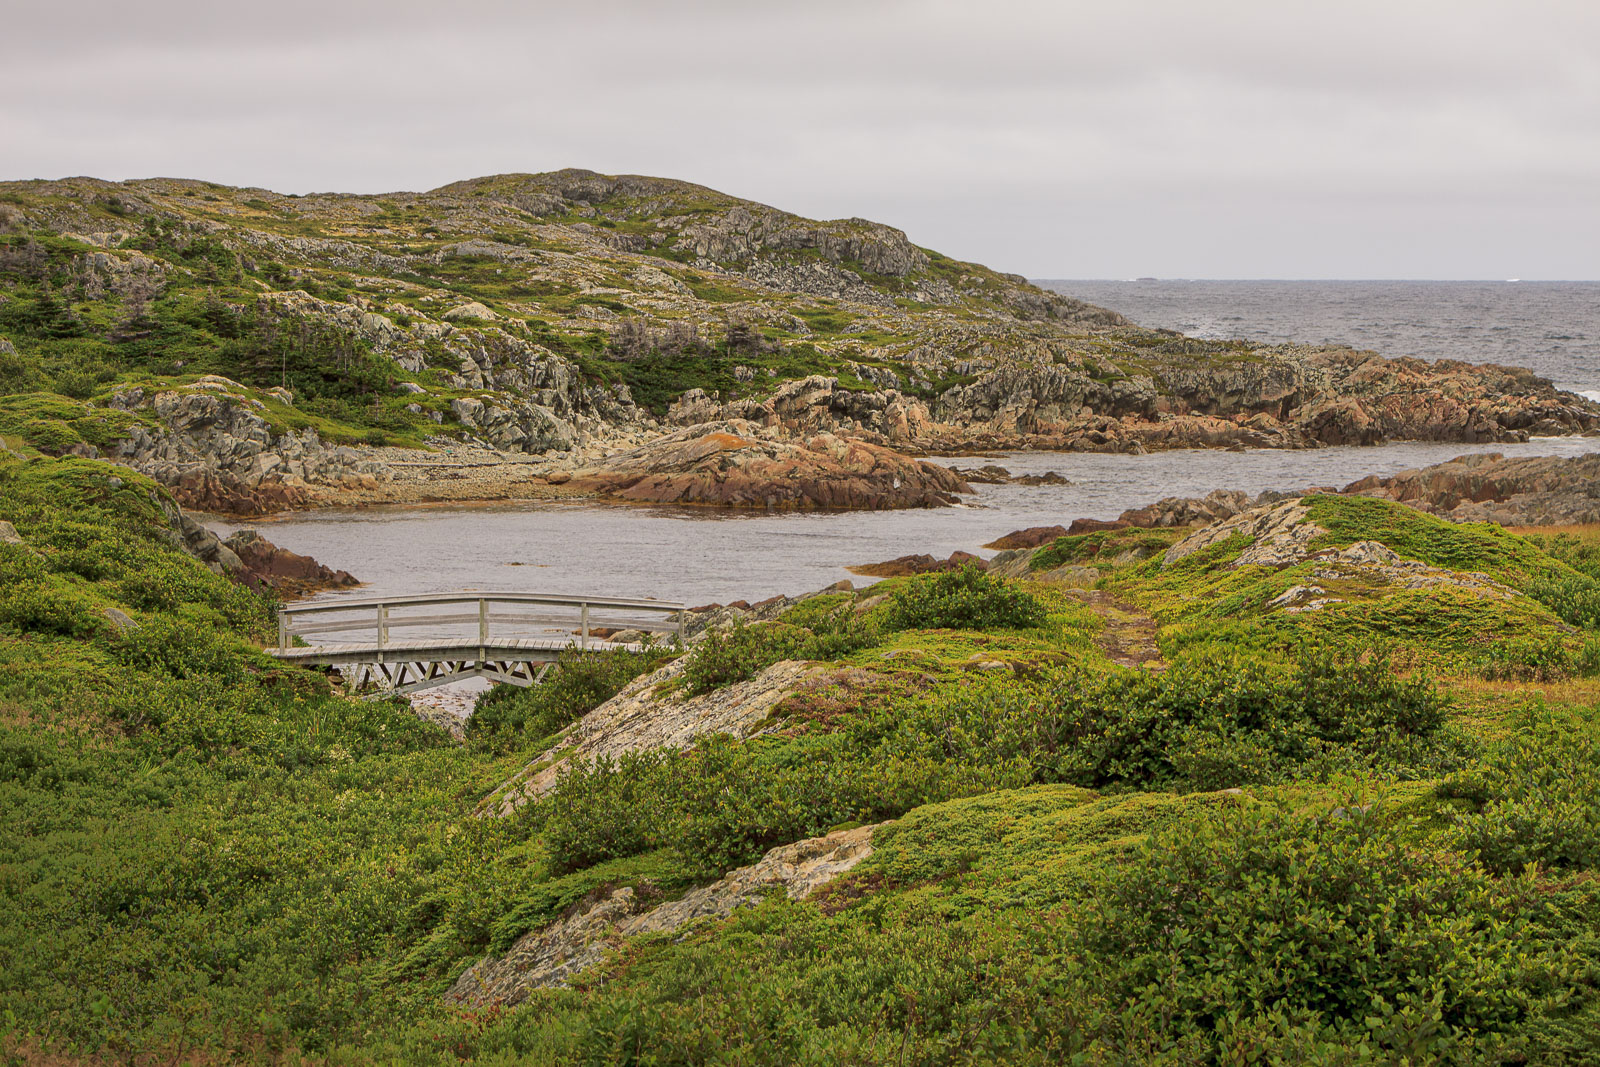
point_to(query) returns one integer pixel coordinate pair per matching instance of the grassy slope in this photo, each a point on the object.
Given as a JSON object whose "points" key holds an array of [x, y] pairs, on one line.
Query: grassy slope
{"points": [[205, 855]]}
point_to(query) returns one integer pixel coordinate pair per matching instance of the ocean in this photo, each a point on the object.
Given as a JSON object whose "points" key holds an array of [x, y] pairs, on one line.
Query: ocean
{"points": [[1552, 328]]}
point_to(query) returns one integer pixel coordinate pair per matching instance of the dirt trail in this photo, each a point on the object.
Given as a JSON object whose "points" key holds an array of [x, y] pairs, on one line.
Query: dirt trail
{"points": [[1129, 638]]}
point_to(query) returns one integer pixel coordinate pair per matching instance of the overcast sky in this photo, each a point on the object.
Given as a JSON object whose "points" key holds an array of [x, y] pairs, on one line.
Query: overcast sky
{"points": [[1176, 138]]}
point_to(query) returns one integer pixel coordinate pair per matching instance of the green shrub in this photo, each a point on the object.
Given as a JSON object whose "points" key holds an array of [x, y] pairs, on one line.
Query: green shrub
{"points": [[1536, 798], [1301, 937], [48, 607], [180, 648], [608, 808], [1213, 722], [508, 718], [741, 651], [1575, 598], [965, 599]]}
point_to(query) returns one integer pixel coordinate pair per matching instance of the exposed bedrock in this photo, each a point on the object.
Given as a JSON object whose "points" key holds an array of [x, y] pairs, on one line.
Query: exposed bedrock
{"points": [[1280, 398], [1531, 491], [287, 573], [583, 937], [738, 463]]}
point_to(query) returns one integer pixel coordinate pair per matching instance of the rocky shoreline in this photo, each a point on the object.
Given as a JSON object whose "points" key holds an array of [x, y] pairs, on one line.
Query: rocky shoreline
{"points": [[212, 444]]}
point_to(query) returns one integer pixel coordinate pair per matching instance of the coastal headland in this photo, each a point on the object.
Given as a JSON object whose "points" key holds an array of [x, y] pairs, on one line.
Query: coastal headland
{"points": [[564, 334]]}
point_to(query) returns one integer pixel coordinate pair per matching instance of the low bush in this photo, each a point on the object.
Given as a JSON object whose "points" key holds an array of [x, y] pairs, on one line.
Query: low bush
{"points": [[741, 651], [1301, 939], [509, 718], [966, 599], [48, 607], [1535, 799], [1575, 598], [1213, 722]]}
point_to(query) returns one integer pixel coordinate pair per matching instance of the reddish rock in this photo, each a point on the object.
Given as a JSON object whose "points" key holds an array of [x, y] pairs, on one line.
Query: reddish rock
{"points": [[223, 494], [740, 464], [917, 564], [1530, 491], [289, 574], [1032, 537], [1083, 526]]}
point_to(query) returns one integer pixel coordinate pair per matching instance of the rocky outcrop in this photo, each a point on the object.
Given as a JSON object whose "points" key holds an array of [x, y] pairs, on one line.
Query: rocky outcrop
{"points": [[263, 565], [1189, 511], [1278, 533], [1532, 491], [1032, 537], [1283, 397], [558, 288], [736, 463], [213, 446], [915, 564], [646, 714], [581, 938]]}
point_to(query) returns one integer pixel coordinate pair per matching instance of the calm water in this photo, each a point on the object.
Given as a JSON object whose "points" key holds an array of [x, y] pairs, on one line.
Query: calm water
{"points": [[1552, 328], [700, 555]]}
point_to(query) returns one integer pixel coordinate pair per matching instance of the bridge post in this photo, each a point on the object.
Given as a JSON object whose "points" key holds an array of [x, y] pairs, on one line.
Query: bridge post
{"points": [[583, 640], [483, 629], [383, 625], [283, 629]]}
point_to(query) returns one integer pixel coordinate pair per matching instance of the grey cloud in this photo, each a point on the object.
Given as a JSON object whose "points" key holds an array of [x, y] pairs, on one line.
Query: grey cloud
{"points": [[1150, 136]]}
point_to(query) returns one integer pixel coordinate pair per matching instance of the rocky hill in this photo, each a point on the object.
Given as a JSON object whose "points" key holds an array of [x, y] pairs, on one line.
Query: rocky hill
{"points": [[256, 350]]}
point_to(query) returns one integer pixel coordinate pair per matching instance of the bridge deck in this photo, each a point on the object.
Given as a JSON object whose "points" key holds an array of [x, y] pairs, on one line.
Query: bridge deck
{"points": [[447, 648], [405, 666]]}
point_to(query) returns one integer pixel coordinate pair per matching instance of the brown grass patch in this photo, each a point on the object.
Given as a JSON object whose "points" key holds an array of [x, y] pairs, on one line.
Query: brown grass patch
{"points": [[1583, 531], [821, 701]]}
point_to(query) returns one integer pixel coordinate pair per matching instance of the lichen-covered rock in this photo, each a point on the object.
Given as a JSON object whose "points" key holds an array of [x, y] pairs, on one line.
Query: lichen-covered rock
{"points": [[581, 938], [1279, 533], [649, 714]]}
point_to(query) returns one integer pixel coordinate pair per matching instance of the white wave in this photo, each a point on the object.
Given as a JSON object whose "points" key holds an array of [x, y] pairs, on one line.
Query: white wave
{"points": [[1592, 394]]}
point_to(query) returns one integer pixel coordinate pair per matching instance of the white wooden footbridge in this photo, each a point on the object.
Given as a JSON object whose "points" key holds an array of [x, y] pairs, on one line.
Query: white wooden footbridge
{"points": [[505, 637]]}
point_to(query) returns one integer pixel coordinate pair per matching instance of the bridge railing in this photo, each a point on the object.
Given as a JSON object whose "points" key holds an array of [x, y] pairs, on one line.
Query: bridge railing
{"points": [[575, 616]]}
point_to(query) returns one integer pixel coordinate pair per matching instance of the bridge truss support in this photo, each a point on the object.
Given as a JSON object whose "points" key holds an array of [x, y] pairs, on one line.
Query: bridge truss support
{"points": [[392, 679]]}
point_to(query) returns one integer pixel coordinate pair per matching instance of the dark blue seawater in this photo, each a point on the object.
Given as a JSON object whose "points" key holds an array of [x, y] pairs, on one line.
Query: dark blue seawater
{"points": [[1552, 328]]}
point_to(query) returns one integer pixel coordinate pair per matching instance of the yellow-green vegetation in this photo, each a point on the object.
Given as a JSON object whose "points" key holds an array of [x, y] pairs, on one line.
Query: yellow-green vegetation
{"points": [[582, 281], [1283, 843], [1518, 610]]}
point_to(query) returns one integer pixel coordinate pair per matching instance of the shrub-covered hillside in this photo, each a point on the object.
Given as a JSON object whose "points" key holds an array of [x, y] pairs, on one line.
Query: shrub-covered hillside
{"points": [[1335, 827]]}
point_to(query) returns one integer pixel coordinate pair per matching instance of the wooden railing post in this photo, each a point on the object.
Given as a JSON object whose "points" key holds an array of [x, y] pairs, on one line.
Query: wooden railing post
{"points": [[483, 621], [283, 629], [583, 640], [383, 625]]}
